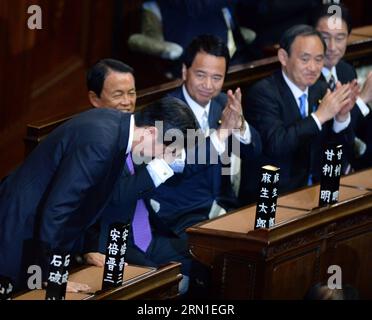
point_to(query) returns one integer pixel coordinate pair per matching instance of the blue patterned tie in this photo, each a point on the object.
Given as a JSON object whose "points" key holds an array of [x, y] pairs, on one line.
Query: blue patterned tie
{"points": [[303, 100], [140, 224]]}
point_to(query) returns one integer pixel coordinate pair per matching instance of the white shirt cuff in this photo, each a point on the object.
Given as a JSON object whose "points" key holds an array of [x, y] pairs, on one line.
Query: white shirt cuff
{"points": [[244, 138], [317, 121], [179, 163], [159, 171], [339, 126], [362, 106], [217, 144]]}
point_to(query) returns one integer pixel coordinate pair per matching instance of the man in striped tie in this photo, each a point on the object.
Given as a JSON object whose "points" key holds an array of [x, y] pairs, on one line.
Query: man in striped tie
{"points": [[335, 32]]}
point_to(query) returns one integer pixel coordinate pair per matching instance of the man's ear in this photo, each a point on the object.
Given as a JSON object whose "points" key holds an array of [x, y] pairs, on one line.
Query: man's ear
{"points": [[184, 72], [283, 57], [93, 99]]}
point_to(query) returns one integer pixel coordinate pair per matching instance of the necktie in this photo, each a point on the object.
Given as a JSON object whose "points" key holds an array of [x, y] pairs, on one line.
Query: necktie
{"points": [[204, 123], [303, 100], [140, 224], [331, 83]]}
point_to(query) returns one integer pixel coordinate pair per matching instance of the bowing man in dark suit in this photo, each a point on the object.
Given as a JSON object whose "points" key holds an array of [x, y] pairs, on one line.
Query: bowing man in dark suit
{"points": [[63, 186], [335, 32], [197, 195], [294, 113], [110, 84]]}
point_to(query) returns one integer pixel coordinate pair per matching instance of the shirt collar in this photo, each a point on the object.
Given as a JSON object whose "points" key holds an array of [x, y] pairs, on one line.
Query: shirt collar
{"points": [[196, 108], [327, 73], [296, 91], [131, 133]]}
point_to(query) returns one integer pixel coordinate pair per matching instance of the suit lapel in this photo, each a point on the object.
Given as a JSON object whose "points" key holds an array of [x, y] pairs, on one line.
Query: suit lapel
{"points": [[341, 73], [214, 115], [313, 103], [288, 100], [316, 93]]}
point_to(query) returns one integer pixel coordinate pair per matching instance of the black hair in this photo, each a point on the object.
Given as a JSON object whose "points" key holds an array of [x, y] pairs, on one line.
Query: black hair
{"points": [[326, 11], [295, 31], [172, 112], [97, 74], [209, 44]]}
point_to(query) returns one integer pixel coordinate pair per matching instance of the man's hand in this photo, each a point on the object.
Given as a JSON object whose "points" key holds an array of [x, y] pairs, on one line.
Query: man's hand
{"points": [[95, 259], [230, 120], [342, 115], [366, 92], [235, 101], [232, 115], [333, 102], [77, 287]]}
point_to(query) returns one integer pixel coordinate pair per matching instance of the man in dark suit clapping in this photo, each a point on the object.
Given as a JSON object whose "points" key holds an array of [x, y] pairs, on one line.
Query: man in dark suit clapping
{"points": [[335, 32], [295, 114]]}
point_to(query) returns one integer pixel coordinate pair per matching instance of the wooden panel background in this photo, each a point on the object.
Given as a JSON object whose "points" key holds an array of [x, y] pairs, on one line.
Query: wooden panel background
{"points": [[42, 72]]}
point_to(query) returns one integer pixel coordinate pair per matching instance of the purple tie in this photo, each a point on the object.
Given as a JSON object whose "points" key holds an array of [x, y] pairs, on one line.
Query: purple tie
{"points": [[140, 224]]}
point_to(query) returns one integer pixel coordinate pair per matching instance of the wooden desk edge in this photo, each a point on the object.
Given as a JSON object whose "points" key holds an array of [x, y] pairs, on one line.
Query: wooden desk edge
{"points": [[166, 275]]}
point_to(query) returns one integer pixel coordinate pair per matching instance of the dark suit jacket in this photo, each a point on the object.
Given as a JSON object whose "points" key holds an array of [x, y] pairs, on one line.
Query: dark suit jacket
{"points": [[121, 207], [360, 124], [186, 199], [290, 142], [62, 187]]}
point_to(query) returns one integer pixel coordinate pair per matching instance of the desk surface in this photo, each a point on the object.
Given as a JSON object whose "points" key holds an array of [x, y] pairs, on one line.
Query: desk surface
{"points": [[363, 31], [92, 276], [358, 38], [293, 205], [308, 199], [361, 179], [242, 221]]}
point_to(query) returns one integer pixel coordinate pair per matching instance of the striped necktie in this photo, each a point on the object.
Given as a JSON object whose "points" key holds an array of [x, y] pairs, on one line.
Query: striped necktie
{"points": [[331, 83]]}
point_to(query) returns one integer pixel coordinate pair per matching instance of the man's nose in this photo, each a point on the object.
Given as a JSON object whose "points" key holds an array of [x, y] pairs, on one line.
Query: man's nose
{"points": [[208, 83]]}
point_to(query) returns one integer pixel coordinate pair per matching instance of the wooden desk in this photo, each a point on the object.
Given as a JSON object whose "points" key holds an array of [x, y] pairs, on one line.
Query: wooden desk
{"points": [[361, 180], [308, 199], [365, 31], [285, 261], [139, 283], [358, 38]]}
